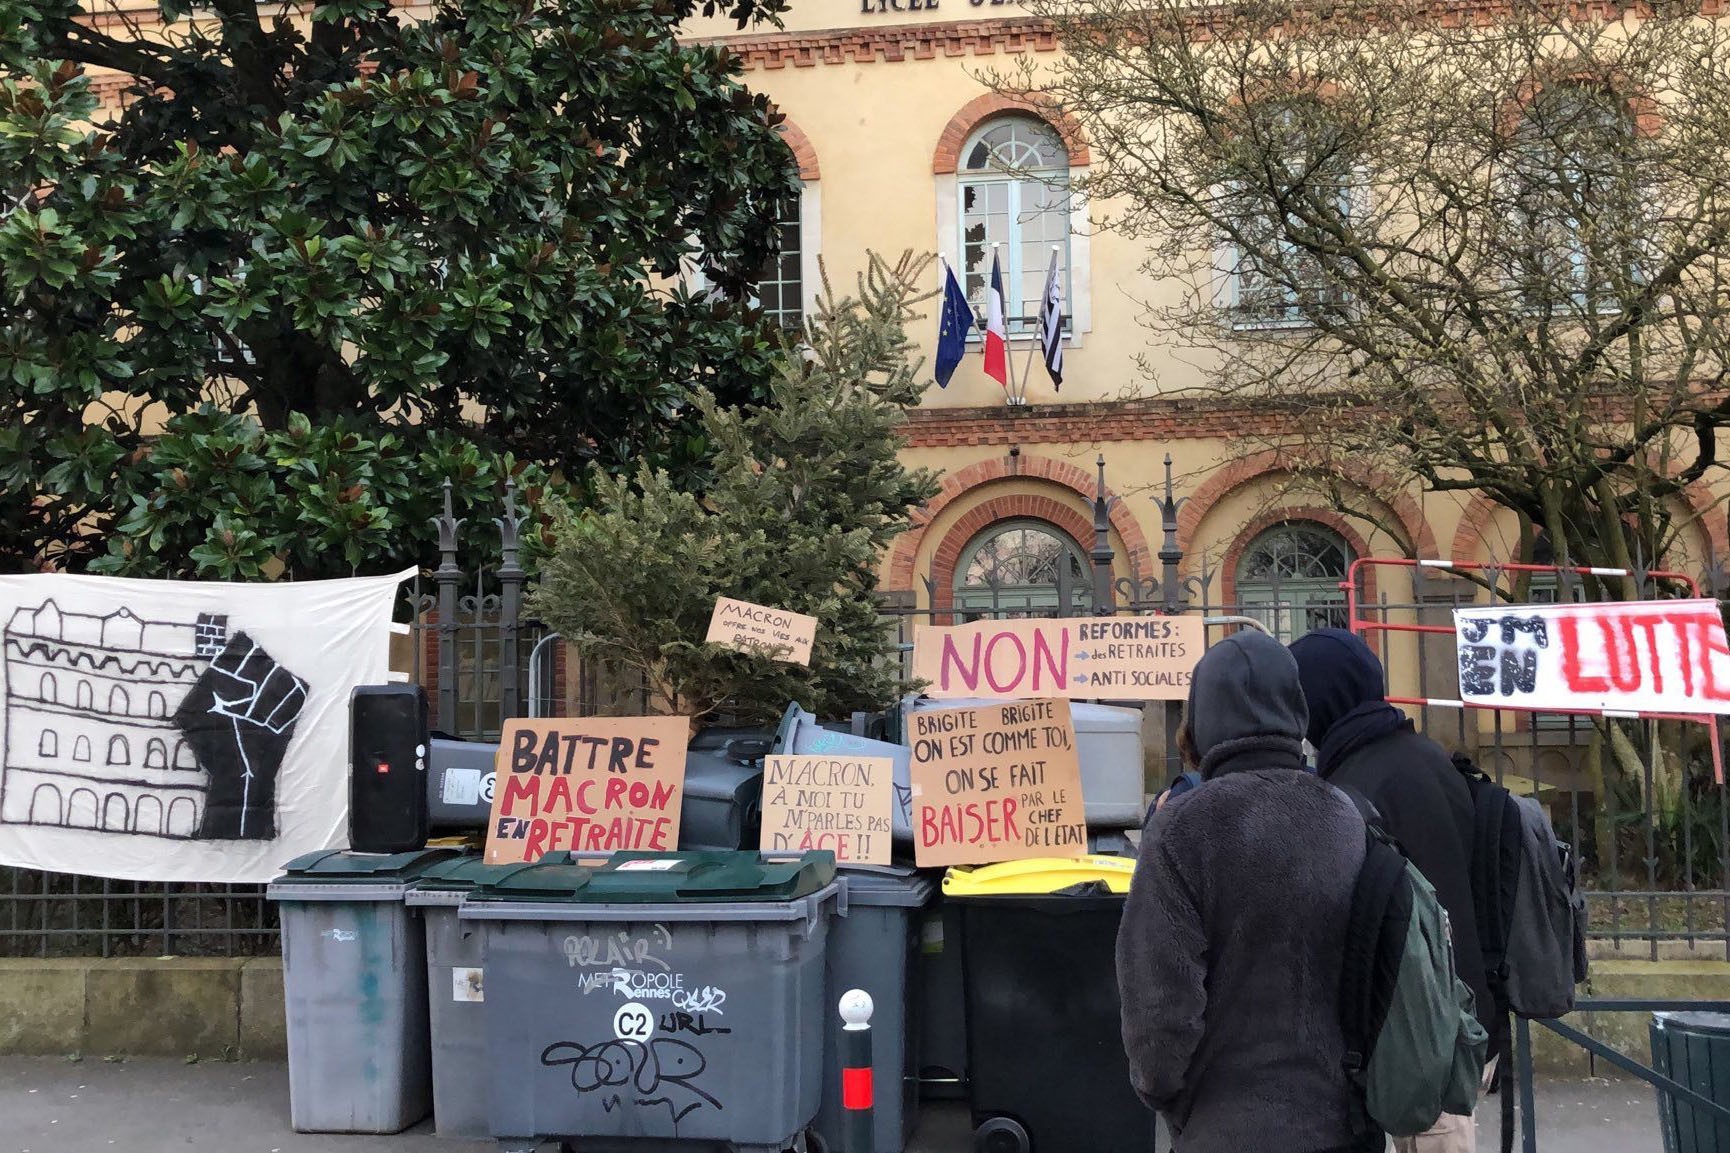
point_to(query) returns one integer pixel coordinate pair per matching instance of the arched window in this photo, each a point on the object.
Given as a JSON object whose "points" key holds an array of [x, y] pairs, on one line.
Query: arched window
{"points": [[49, 746], [1014, 187], [119, 753], [1022, 568], [49, 690], [85, 697], [81, 749], [119, 702], [1289, 579], [156, 706], [156, 754]]}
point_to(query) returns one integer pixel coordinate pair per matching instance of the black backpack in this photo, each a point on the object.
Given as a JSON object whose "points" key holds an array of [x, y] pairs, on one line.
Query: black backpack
{"points": [[1530, 911]]}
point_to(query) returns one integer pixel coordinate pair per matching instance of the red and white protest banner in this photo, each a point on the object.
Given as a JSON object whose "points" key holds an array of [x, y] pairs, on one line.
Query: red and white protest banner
{"points": [[1626, 657]]}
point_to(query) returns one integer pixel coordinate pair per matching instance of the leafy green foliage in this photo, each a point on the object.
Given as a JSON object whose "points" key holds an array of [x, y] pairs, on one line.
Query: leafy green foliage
{"points": [[807, 491], [390, 245]]}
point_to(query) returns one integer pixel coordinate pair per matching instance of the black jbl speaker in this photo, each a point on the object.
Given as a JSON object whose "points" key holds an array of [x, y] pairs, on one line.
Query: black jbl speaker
{"points": [[388, 737]]}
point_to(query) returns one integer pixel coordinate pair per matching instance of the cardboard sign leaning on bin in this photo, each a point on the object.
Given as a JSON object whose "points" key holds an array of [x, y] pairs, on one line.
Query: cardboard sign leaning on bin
{"points": [[588, 784], [756, 628], [840, 803], [996, 783]]}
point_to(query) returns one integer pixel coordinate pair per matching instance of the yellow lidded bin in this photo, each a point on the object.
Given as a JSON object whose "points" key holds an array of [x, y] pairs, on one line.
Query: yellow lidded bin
{"points": [[1037, 875]]}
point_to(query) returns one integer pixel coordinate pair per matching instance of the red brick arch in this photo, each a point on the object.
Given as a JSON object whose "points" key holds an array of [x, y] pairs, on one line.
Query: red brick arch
{"points": [[1714, 527], [1287, 515], [1237, 473], [982, 108], [1019, 506], [905, 552], [800, 145]]}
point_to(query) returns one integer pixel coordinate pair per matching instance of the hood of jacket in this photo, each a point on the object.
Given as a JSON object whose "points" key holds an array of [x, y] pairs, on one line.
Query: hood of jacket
{"points": [[1246, 697], [1339, 674]]}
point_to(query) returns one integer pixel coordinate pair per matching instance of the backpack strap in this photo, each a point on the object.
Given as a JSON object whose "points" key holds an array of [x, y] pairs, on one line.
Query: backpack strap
{"points": [[1371, 956]]}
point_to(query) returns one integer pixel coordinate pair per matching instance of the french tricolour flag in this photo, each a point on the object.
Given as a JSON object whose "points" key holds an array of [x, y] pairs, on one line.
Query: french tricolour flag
{"points": [[996, 335]]}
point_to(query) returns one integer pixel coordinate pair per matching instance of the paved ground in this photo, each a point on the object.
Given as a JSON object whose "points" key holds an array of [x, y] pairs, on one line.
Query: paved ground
{"points": [[59, 1106]]}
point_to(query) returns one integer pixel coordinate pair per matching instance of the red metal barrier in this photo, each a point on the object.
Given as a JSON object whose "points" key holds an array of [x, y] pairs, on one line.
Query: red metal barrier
{"points": [[1366, 627]]}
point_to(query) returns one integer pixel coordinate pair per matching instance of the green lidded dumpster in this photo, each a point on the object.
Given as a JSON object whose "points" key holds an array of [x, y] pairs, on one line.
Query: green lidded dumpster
{"points": [[657, 997], [875, 947], [1045, 1062], [354, 990], [456, 992], [1693, 1049]]}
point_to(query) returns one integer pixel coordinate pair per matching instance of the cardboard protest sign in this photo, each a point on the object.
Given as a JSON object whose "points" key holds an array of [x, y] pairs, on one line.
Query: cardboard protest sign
{"points": [[825, 802], [1633, 657], [754, 628], [1129, 658], [587, 784], [996, 783]]}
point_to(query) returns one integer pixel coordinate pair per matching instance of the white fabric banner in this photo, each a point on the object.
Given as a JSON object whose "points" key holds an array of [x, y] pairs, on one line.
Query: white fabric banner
{"points": [[181, 730], [1667, 656]]}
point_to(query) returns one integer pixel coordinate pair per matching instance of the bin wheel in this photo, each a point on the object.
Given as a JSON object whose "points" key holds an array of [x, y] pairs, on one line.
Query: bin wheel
{"points": [[1001, 1135]]}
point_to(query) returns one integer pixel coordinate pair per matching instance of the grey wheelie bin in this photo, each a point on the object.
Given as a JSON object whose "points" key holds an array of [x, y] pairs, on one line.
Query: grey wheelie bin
{"points": [[456, 992], [657, 999], [354, 987], [1693, 1049], [875, 947]]}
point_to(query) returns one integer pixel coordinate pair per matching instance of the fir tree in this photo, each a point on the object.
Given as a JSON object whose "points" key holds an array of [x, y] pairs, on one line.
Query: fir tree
{"points": [[807, 491]]}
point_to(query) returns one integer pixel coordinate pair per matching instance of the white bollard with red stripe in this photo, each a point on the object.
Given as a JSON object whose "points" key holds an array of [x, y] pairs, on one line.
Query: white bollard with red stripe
{"points": [[858, 1093]]}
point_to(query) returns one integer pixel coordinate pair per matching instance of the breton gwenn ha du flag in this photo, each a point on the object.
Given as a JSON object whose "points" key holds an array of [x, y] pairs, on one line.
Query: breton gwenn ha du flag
{"points": [[1051, 323], [954, 323], [996, 334], [180, 730]]}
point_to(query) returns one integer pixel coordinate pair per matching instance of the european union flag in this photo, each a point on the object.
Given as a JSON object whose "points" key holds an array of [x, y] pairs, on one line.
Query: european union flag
{"points": [[952, 328]]}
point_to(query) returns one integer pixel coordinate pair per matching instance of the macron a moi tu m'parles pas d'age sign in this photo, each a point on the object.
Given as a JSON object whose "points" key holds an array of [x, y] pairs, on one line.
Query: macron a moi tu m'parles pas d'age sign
{"points": [[587, 783], [1128, 658], [996, 783], [1635, 657], [750, 628], [843, 804]]}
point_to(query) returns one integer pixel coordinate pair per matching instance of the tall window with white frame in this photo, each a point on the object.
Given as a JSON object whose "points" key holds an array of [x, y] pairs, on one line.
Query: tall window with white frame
{"points": [[1282, 216], [1581, 225], [1014, 187], [781, 288]]}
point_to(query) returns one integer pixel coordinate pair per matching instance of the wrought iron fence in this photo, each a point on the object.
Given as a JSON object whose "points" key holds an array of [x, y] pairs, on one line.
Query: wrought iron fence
{"points": [[1655, 843]]}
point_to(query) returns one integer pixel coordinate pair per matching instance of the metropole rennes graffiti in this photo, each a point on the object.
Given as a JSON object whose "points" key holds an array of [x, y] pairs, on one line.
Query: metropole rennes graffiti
{"points": [[165, 728]]}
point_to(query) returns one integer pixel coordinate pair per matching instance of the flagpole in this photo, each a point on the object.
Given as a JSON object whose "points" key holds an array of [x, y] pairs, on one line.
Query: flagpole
{"points": [[1008, 353], [1039, 334]]}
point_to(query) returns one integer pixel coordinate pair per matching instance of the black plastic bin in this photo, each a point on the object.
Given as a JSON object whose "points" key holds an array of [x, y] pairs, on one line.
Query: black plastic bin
{"points": [[1693, 1049], [1046, 1067]]}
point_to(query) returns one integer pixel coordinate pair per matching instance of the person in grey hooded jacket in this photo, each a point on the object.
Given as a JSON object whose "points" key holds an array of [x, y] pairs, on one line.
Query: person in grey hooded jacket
{"points": [[1233, 937]]}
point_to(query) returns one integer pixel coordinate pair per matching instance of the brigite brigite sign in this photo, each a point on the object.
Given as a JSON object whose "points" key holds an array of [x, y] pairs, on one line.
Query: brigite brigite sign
{"points": [[1124, 658], [1623, 656]]}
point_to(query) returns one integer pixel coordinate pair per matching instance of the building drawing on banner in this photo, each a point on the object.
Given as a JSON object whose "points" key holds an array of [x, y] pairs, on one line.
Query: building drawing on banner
{"points": [[96, 736]]}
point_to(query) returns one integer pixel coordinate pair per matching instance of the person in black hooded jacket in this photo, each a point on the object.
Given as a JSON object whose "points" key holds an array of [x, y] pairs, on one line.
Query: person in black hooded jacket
{"points": [[1365, 744], [1234, 932]]}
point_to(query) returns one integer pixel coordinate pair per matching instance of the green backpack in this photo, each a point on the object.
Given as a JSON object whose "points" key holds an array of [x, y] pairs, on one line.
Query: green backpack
{"points": [[1414, 1050]]}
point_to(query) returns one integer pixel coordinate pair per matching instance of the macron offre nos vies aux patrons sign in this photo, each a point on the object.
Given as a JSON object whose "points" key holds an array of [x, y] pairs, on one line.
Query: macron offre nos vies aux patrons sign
{"points": [[753, 628], [1633, 657], [1129, 658], [587, 783]]}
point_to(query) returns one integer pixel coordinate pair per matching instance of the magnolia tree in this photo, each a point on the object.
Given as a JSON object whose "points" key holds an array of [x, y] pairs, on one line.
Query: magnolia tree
{"points": [[1472, 251], [806, 493], [329, 256]]}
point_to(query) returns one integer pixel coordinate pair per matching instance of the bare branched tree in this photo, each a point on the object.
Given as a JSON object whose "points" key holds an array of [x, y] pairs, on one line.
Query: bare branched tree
{"points": [[1478, 248]]}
